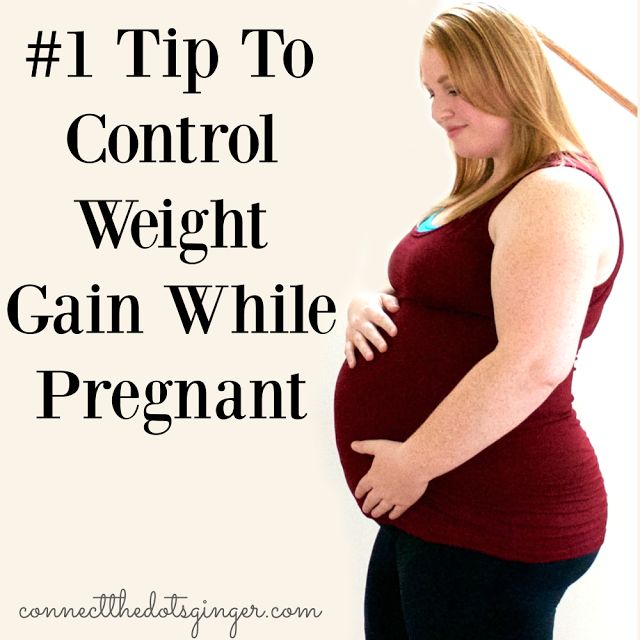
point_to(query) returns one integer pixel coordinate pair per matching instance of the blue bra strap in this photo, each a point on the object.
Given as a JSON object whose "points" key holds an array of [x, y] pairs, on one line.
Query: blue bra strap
{"points": [[427, 223]]}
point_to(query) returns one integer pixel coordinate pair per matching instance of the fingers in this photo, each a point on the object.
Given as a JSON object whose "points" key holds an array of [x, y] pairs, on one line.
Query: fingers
{"points": [[381, 508], [372, 334], [376, 507], [396, 512], [361, 344], [366, 446], [362, 339], [364, 486], [357, 341], [349, 353], [371, 501], [376, 317], [389, 302], [366, 316]]}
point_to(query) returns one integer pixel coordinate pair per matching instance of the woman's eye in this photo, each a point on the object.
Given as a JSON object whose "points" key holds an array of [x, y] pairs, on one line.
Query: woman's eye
{"points": [[451, 91]]}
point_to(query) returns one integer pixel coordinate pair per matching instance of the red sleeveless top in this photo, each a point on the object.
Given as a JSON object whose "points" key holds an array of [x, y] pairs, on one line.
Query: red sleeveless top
{"points": [[536, 494]]}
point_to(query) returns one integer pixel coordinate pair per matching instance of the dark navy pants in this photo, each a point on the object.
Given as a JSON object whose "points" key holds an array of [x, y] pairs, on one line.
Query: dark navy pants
{"points": [[418, 590]]}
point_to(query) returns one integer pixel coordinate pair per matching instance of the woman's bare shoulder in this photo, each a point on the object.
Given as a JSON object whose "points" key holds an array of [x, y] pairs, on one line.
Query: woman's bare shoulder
{"points": [[561, 180], [556, 202], [559, 196]]}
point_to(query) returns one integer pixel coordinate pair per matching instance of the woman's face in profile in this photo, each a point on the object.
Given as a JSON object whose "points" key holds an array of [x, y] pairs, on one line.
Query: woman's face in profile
{"points": [[473, 133]]}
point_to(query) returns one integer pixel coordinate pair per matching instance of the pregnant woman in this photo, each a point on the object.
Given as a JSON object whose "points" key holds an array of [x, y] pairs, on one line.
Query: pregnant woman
{"points": [[453, 410]]}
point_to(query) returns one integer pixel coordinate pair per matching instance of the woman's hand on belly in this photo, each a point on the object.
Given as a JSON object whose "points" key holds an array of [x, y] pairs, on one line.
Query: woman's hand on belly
{"points": [[367, 313], [389, 485]]}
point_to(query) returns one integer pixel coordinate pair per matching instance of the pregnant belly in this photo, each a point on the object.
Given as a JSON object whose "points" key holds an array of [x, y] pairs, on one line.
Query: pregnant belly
{"points": [[393, 394], [536, 494]]}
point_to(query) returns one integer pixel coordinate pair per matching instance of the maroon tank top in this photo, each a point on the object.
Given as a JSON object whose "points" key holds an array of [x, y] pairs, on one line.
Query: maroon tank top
{"points": [[536, 494]]}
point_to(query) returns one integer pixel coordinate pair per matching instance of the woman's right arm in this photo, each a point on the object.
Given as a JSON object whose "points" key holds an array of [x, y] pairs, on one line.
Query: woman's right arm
{"points": [[367, 313]]}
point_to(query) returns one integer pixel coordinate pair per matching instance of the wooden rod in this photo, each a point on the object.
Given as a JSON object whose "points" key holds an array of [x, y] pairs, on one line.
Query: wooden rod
{"points": [[599, 82]]}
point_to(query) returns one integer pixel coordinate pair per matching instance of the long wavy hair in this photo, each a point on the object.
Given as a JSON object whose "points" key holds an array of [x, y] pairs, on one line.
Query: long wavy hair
{"points": [[496, 62]]}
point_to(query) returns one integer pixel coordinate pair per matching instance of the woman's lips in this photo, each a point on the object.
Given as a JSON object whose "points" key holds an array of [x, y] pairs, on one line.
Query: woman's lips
{"points": [[453, 131]]}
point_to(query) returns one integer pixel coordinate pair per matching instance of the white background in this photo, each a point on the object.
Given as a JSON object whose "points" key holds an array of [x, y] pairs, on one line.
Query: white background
{"points": [[258, 511]]}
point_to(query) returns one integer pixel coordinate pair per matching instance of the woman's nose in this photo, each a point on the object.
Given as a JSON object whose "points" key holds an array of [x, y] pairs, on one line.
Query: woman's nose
{"points": [[441, 110]]}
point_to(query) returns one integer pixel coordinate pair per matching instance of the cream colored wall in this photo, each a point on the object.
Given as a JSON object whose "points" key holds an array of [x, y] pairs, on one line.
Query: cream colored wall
{"points": [[254, 511]]}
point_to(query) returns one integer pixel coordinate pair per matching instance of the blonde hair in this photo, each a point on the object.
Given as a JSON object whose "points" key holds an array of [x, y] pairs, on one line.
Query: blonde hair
{"points": [[496, 62]]}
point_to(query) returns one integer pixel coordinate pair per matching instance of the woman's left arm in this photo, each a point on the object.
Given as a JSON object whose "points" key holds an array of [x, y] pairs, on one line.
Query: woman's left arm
{"points": [[549, 235]]}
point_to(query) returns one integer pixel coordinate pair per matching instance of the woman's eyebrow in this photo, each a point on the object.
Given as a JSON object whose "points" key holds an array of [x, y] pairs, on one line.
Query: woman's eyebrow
{"points": [[440, 80]]}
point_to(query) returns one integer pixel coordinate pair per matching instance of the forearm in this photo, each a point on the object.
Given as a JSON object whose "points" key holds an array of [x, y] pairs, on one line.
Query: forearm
{"points": [[496, 395]]}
